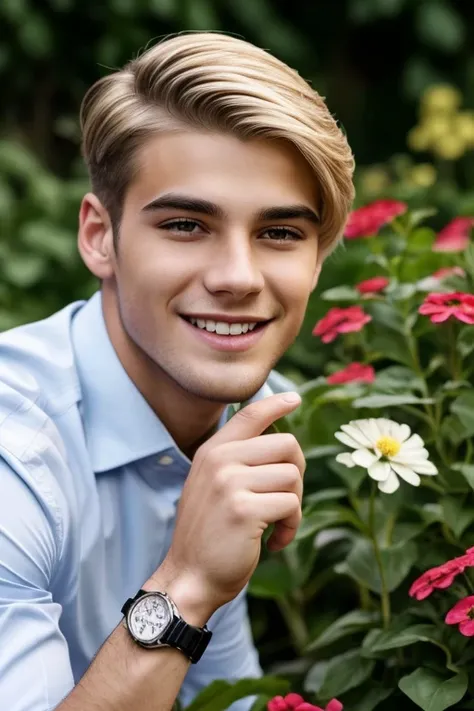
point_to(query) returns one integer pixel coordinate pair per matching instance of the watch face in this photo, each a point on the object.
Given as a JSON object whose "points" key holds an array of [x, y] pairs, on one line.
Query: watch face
{"points": [[149, 617]]}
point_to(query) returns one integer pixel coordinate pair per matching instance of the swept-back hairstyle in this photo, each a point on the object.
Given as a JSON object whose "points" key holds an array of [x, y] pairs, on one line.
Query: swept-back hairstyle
{"points": [[212, 82]]}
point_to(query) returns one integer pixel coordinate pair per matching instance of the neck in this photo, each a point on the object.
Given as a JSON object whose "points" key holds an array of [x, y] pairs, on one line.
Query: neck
{"points": [[189, 419]]}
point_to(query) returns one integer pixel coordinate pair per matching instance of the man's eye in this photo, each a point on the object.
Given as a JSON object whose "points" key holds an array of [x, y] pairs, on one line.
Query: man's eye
{"points": [[282, 234], [187, 226]]}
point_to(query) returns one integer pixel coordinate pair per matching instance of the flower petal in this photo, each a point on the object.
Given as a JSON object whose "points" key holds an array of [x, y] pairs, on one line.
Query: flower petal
{"points": [[364, 458], [345, 439], [390, 485], [406, 473], [459, 611], [424, 467], [466, 627], [357, 434], [414, 442], [334, 705], [346, 459], [379, 471]]}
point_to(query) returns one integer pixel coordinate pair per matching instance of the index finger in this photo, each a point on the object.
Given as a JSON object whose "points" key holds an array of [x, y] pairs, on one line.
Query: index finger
{"points": [[255, 418]]}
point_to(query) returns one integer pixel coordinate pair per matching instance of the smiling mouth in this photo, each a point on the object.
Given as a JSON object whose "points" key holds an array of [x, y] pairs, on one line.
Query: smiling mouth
{"points": [[224, 328]]}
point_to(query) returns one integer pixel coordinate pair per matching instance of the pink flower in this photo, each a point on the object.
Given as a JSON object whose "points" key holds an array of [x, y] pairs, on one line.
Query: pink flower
{"points": [[372, 286], [449, 271], [442, 576], [462, 614], [367, 220], [355, 372], [295, 702], [337, 321], [439, 307], [455, 236]]}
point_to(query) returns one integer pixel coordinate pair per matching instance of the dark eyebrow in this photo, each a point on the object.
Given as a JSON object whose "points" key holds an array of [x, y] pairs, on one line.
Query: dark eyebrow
{"points": [[290, 212], [174, 201]]}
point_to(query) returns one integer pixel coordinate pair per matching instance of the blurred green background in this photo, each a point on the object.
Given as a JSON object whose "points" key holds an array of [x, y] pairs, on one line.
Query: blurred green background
{"points": [[371, 59]]}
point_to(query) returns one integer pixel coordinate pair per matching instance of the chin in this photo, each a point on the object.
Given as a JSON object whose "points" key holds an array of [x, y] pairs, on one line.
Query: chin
{"points": [[224, 392]]}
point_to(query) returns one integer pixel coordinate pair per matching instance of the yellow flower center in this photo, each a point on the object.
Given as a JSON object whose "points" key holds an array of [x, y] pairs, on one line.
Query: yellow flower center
{"points": [[388, 446]]}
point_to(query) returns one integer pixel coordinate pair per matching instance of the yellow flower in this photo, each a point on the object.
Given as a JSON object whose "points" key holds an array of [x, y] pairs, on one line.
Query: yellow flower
{"points": [[418, 138], [449, 147], [437, 126], [441, 98], [423, 174], [374, 180], [464, 126]]}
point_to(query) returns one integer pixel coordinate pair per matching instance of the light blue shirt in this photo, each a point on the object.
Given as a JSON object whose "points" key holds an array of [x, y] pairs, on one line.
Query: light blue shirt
{"points": [[89, 484]]}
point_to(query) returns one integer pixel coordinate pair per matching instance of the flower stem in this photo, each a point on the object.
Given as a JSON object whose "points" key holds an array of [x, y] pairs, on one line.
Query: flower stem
{"points": [[384, 594]]}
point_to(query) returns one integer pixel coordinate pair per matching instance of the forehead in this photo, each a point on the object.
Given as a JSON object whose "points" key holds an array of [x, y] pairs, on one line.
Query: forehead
{"points": [[224, 169]]}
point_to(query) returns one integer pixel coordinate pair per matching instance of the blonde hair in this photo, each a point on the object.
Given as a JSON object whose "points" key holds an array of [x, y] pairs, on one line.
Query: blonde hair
{"points": [[215, 82]]}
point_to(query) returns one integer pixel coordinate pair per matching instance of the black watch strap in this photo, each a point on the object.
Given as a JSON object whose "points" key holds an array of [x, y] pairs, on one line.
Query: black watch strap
{"points": [[190, 640]]}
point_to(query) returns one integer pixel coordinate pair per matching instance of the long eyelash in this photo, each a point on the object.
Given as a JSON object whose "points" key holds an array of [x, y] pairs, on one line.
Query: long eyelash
{"points": [[285, 231]]}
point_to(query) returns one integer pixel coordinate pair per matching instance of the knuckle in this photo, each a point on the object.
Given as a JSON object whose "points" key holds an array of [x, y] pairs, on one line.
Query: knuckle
{"points": [[294, 475], [239, 508], [249, 413]]}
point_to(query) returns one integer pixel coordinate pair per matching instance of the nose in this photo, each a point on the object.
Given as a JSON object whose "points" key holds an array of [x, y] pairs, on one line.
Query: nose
{"points": [[233, 268]]}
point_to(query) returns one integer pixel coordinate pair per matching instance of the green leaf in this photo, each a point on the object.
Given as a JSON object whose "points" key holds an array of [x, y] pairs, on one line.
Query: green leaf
{"points": [[315, 677], [271, 580], [386, 344], [463, 407], [220, 694], [440, 26], [420, 239], [325, 517], [344, 672], [371, 699], [361, 564], [349, 624], [375, 401], [383, 640], [467, 470], [432, 692], [465, 343], [395, 378], [24, 270], [324, 495], [387, 316], [340, 293], [324, 450], [457, 515]]}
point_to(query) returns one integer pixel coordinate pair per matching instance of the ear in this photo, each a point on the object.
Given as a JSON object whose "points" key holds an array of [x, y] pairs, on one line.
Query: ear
{"points": [[95, 237]]}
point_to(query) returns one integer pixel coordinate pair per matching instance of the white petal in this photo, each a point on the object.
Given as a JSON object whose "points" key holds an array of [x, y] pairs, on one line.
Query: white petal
{"points": [[357, 434], [414, 442], [379, 471], [346, 459], [364, 458], [405, 455], [390, 485], [427, 468], [401, 432], [345, 439], [372, 429], [385, 426], [406, 473]]}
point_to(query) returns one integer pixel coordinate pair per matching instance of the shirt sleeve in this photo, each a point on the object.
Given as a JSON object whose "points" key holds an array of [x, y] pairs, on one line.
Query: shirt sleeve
{"points": [[35, 671], [230, 655]]}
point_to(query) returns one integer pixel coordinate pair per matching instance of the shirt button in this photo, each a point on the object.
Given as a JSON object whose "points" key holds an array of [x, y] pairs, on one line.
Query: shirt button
{"points": [[165, 460]]}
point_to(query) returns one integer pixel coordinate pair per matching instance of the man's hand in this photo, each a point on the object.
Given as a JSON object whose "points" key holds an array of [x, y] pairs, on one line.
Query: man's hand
{"points": [[240, 482]]}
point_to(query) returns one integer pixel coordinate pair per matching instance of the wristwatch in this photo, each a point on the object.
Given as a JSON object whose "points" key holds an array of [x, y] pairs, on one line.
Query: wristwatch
{"points": [[153, 621]]}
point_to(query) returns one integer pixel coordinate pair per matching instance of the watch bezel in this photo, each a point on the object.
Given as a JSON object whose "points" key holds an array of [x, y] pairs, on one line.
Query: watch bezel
{"points": [[155, 641]]}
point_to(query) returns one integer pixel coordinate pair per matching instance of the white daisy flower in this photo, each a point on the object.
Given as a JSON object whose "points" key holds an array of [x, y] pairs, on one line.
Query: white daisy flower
{"points": [[386, 449]]}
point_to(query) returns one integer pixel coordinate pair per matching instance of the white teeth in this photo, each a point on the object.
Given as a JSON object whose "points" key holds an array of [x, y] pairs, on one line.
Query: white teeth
{"points": [[222, 328]]}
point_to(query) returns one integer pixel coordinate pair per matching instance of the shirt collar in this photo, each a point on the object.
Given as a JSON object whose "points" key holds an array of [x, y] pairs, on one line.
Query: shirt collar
{"points": [[120, 427]]}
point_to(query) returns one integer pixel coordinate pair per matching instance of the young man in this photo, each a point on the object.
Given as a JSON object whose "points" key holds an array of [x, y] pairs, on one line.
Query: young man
{"points": [[131, 515]]}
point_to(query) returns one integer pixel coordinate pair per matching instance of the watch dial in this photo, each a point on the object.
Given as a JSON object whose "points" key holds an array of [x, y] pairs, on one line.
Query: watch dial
{"points": [[149, 617]]}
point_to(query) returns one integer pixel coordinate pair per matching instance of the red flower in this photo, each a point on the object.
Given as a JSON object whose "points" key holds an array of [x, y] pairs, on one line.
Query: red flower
{"points": [[295, 702], [442, 576], [367, 220], [455, 236], [439, 307], [462, 614], [355, 372], [336, 321], [449, 271], [372, 286]]}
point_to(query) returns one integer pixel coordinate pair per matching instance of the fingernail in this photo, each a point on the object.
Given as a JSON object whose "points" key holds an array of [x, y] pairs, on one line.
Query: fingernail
{"points": [[291, 397]]}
